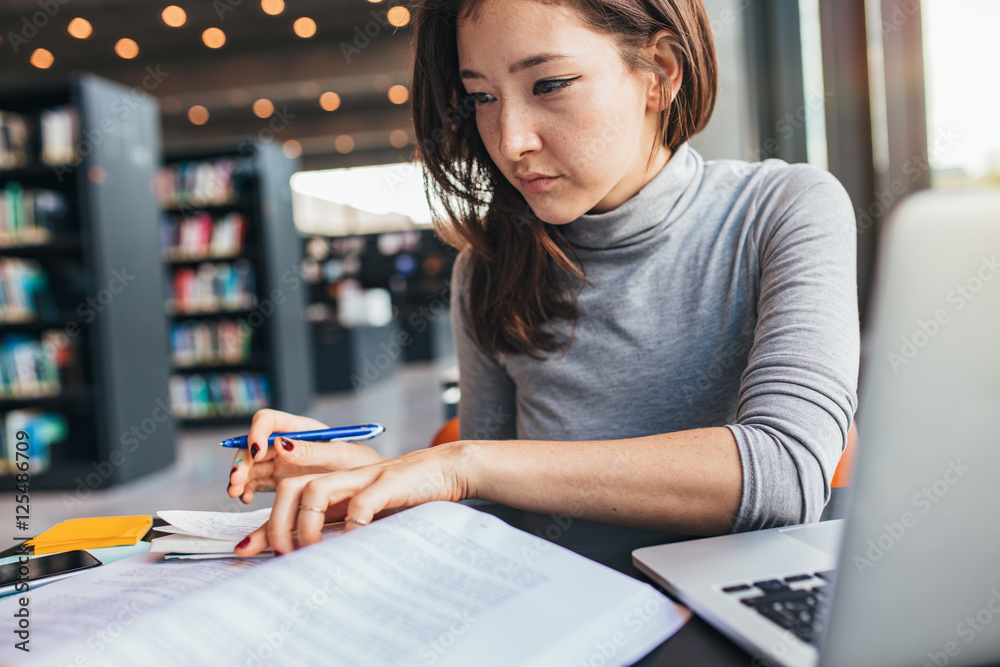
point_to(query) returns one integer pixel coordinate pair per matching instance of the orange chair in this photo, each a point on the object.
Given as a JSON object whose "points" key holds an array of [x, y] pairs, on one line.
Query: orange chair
{"points": [[447, 433], [841, 476]]}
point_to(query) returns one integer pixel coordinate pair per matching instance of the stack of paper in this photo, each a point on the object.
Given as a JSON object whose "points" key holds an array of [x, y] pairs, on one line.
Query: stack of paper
{"points": [[205, 534], [437, 584], [108, 531]]}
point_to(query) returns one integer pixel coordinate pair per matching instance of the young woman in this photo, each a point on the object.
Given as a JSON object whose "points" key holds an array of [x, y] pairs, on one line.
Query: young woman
{"points": [[644, 338]]}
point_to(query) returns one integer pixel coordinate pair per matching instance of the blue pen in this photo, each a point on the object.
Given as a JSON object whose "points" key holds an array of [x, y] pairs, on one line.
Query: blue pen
{"points": [[352, 433]]}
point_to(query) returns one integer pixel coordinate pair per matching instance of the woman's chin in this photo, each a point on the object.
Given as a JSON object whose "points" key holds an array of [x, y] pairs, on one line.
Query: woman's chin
{"points": [[557, 215]]}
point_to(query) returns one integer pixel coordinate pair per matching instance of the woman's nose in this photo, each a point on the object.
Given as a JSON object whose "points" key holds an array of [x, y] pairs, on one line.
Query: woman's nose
{"points": [[518, 134]]}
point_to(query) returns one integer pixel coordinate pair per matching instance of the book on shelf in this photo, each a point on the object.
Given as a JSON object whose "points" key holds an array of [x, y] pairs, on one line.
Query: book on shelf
{"points": [[60, 132], [36, 366], [200, 396], [57, 135], [15, 149], [29, 216], [212, 342], [25, 294], [200, 236], [212, 287], [439, 584], [31, 433], [199, 183]]}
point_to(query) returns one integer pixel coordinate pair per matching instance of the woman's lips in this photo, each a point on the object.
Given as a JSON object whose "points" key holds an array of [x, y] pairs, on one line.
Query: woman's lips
{"points": [[537, 183]]}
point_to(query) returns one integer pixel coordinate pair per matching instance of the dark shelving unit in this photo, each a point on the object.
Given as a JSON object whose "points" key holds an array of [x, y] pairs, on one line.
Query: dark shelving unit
{"points": [[111, 225], [279, 348], [415, 268]]}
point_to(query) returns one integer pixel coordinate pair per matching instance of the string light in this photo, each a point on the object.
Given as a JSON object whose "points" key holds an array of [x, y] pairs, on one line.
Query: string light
{"points": [[304, 27], [42, 58], [272, 7], [198, 114], [80, 28], [330, 101], [263, 108], [174, 16], [214, 38], [344, 143], [292, 149], [399, 94], [398, 16], [127, 48]]}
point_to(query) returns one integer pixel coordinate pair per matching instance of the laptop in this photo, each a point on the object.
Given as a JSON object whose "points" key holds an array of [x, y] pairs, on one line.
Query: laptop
{"points": [[911, 575]]}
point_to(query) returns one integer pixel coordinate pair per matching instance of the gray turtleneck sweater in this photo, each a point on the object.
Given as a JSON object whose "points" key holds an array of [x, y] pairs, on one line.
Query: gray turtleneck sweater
{"points": [[724, 294]]}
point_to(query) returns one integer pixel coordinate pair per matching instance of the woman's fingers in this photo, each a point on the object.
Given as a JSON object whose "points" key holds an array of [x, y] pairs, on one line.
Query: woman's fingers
{"points": [[303, 503], [265, 422], [336, 455], [284, 513], [253, 543], [245, 469]]}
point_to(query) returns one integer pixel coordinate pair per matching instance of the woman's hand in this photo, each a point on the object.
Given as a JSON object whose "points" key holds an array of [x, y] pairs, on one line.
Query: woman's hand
{"points": [[261, 468], [357, 495]]}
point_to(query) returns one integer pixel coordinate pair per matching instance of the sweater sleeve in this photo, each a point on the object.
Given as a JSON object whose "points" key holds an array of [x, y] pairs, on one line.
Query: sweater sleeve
{"points": [[487, 408], [798, 394]]}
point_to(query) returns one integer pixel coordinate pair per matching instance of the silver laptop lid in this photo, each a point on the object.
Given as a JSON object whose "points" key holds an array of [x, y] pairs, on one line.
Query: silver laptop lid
{"points": [[919, 574]]}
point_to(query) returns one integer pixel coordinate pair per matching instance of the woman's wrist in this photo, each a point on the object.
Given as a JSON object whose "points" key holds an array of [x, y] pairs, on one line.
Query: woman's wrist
{"points": [[465, 456]]}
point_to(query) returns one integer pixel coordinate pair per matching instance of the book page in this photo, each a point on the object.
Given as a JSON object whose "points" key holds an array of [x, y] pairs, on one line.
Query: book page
{"points": [[232, 526], [92, 609], [438, 584]]}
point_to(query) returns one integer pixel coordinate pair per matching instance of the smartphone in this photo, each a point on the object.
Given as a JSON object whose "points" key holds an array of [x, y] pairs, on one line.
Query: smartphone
{"points": [[41, 568]]}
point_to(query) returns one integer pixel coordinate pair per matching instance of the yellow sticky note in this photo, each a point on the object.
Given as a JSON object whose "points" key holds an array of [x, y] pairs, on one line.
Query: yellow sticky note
{"points": [[107, 531]]}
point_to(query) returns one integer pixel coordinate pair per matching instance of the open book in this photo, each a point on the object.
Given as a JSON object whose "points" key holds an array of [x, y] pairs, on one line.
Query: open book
{"points": [[438, 584], [208, 533]]}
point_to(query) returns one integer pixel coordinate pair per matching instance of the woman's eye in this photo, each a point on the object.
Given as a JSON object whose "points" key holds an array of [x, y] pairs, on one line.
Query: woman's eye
{"points": [[550, 85], [480, 98]]}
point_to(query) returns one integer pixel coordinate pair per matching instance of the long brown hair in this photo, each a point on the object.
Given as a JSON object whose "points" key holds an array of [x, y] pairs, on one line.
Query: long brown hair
{"points": [[519, 266]]}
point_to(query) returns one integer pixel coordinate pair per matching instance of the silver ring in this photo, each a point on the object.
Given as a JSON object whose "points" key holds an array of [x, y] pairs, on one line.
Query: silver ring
{"points": [[360, 522], [312, 509]]}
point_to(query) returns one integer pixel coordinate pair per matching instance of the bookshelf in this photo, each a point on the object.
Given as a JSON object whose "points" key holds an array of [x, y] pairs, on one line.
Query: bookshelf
{"points": [[80, 287], [235, 299]]}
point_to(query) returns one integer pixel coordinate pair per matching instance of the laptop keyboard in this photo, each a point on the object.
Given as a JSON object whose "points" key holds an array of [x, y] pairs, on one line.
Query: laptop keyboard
{"points": [[791, 602]]}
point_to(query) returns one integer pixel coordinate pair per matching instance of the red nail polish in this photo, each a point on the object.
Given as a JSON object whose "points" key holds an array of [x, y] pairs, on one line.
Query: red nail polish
{"points": [[233, 470], [254, 448], [278, 553], [287, 444], [246, 541]]}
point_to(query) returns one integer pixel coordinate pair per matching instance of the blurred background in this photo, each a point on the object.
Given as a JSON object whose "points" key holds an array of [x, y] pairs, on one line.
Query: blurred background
{"points": [[211, 207]]}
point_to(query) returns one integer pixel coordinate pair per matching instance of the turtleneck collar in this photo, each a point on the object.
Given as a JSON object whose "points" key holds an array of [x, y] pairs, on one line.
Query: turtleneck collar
{"points": [[656, 205]]}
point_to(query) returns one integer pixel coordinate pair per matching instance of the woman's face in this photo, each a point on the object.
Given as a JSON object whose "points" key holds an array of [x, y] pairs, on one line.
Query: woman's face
{"points": [[558, 110]]}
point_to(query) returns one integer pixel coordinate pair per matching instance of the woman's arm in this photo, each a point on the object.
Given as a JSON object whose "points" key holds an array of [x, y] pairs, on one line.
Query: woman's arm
{"points": [[686, 482], [690, 482]]}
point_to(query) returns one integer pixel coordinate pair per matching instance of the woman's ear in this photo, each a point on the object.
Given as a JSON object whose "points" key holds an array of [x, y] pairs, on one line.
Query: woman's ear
{"points": [[664, 50]]}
